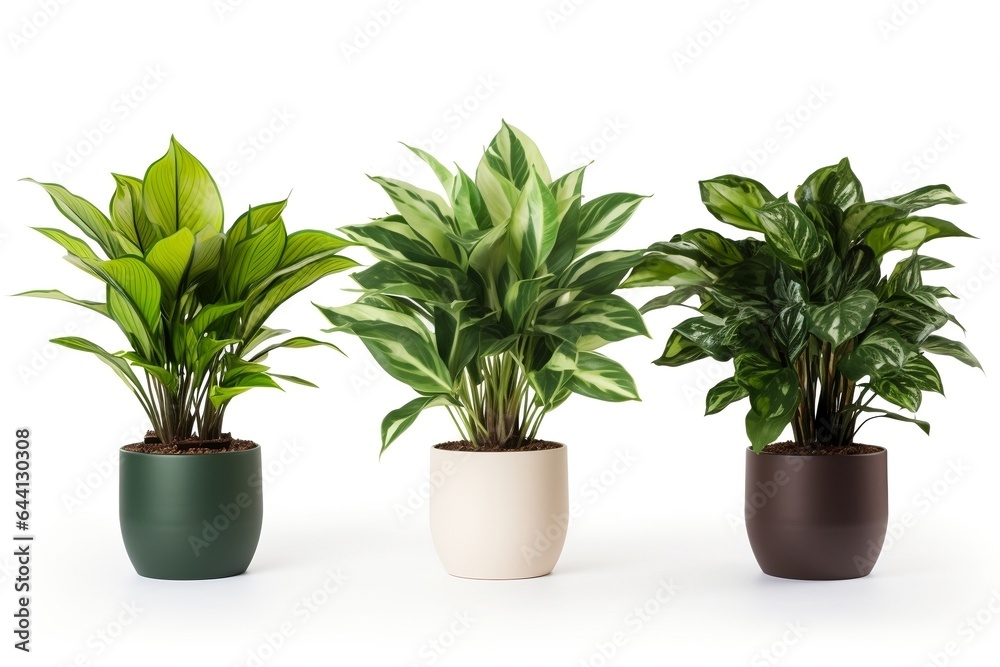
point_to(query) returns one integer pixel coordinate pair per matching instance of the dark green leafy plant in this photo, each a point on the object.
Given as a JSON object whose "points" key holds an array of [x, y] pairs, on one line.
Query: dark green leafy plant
{"points": [[815, 330], [191, 299], [487, 302]]}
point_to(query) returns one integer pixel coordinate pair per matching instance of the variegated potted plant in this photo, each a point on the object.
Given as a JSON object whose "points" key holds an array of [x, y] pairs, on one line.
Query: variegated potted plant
{"points": [[489, 303], [191, 300], [825, 333]]}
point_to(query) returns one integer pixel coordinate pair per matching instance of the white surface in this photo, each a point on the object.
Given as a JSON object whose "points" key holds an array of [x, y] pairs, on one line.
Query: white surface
{"points": [[609, 68]]}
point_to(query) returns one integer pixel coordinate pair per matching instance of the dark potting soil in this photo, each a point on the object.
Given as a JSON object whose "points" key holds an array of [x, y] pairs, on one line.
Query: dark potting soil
{"points": [[465, 446], [152, 445], [798, 449]]}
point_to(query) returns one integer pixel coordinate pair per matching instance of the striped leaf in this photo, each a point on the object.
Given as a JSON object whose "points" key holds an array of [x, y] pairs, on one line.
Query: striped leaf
{"points": [[603, 216], [723, 395], [254, 219], [600, 272], [401, 344], [83, 214], [533, 228], [170, 258], [254, 259], [309, 243], [735, 200], [925, 197], [597, 376], [951, 348], [55, 294], [72, 245], [513, 155], [790, 235], [835, 186], [426, 213], [129, 215], [842, 320], [594, 322], [261, 305], [499, 193], [400, 419], [177, 191], [910, 233], [679, 351], [392, 239], [882, 352]]}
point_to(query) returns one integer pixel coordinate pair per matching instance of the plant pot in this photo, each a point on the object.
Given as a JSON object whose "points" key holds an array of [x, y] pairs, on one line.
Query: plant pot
{"points": [[499, 515], [190, 516], [816, 517]]}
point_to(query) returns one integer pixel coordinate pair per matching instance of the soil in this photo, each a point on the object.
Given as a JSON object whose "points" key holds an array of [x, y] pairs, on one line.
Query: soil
{"points": [[152, 445], [798, 449], [465, 446]]}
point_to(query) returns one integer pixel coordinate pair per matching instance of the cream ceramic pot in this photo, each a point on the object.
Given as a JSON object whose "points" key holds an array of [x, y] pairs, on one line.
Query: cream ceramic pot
{"points": [[499, 515]]}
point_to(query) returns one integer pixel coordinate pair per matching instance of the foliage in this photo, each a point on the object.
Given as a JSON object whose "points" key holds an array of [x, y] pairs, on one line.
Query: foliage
{"points": [[190, 299], [487, 301], [813, 326]]}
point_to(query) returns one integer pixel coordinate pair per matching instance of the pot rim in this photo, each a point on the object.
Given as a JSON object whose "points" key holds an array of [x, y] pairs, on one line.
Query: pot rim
{"points": [[559, 446], [881, 452], [122, 450]]}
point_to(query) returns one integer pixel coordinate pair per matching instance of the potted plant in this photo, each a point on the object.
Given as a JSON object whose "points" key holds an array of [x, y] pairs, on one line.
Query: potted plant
{"points": [[816, 332], [488, 303], [191, 300]]}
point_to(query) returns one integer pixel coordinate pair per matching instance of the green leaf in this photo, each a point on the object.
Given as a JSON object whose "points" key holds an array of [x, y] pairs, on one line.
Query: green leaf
{"points": [[951, 348], [295, 380], [723, 395], [260, 306], [533, 228], [659, 269], [922, 373], [899, 390], [680, 351], [178, 191], [881, 352], [170, 258], [790, 234], [597, 376], [206, 254], [674, 297], [519, 301], [400, 419], [498, 192], [210, 313], [426, 213], [297, 342], [513, 155], [922, 425], [254, 258], [401, 344], [835, 185], [735, 200], [72, 245], [133, 280], [309, 243], [81, 213], [96, 306], [842, 320], [117, 364], [773, 389], [925, 197], [594, 322], [763, 431], [715, 247], [602, 216], [129, 215], [600, 272], [910, 233]]}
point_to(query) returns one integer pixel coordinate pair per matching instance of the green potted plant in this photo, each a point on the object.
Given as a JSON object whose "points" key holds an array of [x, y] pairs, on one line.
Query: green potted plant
{"points": [[488, 303], [191, 301], [818, 334]]}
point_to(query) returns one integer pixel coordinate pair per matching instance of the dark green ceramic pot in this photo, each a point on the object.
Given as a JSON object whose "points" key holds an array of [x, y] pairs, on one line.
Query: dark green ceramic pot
{"points": [[190, 516]]}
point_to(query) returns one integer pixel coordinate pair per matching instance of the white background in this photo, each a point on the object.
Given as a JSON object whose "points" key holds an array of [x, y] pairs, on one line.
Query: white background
{"points": [[776, 89]]}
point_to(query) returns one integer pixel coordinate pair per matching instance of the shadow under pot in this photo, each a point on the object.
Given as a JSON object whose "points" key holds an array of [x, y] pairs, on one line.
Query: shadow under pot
{"points": [[816, 517], [190, 516], [499, 515]]}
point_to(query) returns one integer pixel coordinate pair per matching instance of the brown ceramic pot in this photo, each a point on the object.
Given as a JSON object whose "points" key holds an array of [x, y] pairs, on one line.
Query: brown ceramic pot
{"points": [[816, 517]]}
